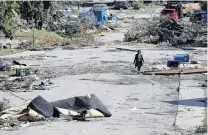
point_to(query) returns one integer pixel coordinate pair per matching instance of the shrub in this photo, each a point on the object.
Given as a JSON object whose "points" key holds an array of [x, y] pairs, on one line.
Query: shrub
{"points": [[203, 5], [137, 4]]}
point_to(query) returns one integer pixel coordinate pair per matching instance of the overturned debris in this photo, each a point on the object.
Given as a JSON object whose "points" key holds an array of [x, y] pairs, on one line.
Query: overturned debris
{"points": [[76, 108]]}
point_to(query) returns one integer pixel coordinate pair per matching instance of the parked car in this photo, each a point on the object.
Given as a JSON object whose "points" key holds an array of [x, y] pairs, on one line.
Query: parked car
{"points": [[125, 4]]}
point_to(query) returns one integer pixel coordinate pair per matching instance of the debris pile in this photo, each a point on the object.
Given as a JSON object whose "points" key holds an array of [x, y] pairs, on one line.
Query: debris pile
{"points": [[155, 30], [142, 31], [20, 77], [75, 108]]}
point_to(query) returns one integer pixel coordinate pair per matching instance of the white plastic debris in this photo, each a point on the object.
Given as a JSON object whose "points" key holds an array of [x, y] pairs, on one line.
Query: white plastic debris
{"points": [[88, 96], [134, 109], [25, 125]]}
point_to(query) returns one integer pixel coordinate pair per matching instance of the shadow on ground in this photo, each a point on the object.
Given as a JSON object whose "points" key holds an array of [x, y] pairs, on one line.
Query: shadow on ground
{"points": [[197, 102]]}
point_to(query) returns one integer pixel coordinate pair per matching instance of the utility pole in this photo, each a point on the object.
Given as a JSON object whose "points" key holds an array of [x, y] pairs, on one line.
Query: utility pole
{"points": [[33, 42], [79, 3], [33, 25]]}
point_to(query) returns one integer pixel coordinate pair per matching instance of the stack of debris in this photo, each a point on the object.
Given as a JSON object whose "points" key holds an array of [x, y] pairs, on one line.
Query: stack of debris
{"points": [[19, 77], [154, 30]]}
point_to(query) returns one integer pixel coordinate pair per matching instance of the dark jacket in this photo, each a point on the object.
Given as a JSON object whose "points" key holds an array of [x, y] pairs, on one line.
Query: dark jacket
{"points": [[138, 58]]}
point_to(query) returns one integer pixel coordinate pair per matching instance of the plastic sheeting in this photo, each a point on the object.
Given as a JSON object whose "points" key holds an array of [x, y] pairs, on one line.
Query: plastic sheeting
{"points": [[81, 105]]}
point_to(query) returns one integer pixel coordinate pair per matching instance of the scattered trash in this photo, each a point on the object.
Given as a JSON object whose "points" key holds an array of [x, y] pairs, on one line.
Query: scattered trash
{"points": [[25, 125], [155, 63], [194, 62], [22, 72], [134, 109], [17, 63]]}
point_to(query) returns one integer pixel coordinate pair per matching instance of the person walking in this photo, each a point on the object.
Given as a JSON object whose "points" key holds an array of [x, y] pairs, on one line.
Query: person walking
{"points": [[138, 60]]}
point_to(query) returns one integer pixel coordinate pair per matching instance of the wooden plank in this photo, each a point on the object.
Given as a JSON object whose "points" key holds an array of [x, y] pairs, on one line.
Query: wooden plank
{"points": [[124, 49], [177, 71]]}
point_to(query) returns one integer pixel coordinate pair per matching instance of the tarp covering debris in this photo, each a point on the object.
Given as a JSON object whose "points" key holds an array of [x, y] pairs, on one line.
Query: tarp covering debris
{"points": [[75, 108], [82, 104]]}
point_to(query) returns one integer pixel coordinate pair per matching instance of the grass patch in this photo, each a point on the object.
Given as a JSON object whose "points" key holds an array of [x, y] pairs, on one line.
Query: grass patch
{"points": [[48, 38], [137, 4], [39, 34], [205, 122], [203, 128], [4, 52]]}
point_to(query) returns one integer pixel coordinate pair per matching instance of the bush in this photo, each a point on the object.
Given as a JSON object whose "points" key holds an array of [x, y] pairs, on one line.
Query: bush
{"points": [[137, 4], [7, 24], [203, 5]]}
